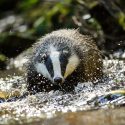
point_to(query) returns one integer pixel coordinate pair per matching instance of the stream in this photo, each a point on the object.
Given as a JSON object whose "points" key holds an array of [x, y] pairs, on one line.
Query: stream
{"points": [[102, 103]]}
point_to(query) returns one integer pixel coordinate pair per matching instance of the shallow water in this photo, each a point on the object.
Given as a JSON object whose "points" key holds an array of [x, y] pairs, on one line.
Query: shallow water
{"points": [[58, 107]]}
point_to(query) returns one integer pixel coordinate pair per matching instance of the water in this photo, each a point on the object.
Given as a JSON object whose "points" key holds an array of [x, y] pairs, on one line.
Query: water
{"points": [[56, 106]]}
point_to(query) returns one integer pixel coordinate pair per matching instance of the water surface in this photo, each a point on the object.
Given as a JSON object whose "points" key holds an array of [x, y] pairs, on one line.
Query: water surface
{"points": [[83, 107]]}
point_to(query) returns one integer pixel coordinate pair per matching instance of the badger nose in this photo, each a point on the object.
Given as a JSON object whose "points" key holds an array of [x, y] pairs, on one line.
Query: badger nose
{"points": [[58, 80]]}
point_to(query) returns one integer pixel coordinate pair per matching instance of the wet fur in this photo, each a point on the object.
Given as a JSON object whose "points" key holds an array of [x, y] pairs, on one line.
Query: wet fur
{"points": [[89, 69]]}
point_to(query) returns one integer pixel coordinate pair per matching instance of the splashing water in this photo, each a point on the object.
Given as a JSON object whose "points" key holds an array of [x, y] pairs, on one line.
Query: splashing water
{"points": [[47, 105]]}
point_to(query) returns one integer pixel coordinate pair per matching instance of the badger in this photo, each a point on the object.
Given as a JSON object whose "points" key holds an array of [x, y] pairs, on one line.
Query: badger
{"points": [[61, 60]]}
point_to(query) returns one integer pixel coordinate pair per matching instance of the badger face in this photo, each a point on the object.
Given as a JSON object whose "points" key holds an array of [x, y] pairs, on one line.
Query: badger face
{"points": [[57, 64]]}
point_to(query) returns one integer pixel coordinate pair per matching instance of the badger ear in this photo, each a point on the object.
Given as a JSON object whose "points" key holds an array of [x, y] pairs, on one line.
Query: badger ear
{"points": [[73, 63]]}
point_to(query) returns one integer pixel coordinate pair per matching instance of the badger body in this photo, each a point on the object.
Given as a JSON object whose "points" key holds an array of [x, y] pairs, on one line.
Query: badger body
{"points": [[61, 59]]}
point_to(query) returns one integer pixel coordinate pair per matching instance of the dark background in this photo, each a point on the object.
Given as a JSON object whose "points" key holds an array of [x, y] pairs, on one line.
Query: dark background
{"points": [[24, 21]]}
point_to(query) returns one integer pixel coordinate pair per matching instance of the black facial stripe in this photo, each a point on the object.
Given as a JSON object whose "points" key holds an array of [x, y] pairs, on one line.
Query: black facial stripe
{"points": [[63, 62], [49, 66]]}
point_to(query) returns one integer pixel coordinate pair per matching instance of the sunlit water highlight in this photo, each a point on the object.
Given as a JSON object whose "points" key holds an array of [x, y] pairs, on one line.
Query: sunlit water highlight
{"points": [[47, 105]]}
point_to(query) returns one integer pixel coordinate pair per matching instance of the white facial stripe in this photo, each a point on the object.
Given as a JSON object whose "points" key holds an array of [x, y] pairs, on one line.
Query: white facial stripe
{"points": [[72, 65], [54, 55], [41, 68]]}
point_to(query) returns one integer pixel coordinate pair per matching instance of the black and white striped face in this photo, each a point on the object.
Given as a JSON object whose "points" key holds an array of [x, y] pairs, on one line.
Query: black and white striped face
{"points": [[57, 65]]}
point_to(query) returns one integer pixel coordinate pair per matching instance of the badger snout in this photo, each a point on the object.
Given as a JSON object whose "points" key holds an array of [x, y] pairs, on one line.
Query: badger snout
{"points": [[58, 80]]}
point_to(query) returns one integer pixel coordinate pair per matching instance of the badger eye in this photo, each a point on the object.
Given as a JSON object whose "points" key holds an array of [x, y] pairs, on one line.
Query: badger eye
{"points": [[65, 51], [43, 57]]}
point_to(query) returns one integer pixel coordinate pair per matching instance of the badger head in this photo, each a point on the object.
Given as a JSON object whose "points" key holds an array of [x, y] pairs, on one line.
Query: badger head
{"points": [[56, 63]]}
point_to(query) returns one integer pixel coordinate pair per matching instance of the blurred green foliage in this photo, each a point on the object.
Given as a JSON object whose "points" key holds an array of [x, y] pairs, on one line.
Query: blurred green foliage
{"points": [[42, 16], [121, 19], [3, 61], [27, 4], [2, 58], [34, 18]]}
